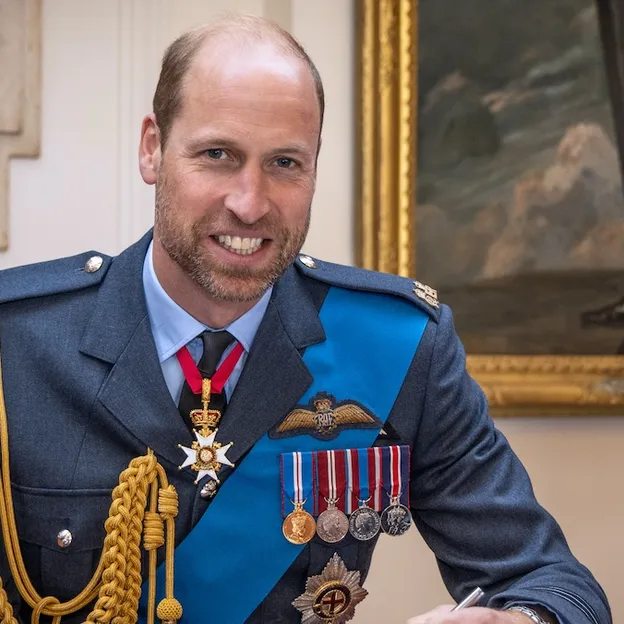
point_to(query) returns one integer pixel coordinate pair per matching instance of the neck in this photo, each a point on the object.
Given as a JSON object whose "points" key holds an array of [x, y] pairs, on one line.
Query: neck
{"points": [[214, 313]]}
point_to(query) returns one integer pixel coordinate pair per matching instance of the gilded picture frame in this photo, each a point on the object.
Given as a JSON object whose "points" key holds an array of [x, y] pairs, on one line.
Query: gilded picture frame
{"points": [[386, 96]]}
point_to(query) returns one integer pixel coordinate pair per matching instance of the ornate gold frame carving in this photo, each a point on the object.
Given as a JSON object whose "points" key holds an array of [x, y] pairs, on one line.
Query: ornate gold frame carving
{"points": [[386, 196], [21, 138]]}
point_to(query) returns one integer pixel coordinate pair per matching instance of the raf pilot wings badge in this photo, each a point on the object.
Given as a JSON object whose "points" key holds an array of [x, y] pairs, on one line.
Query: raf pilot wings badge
{"points": [[326, 419]]}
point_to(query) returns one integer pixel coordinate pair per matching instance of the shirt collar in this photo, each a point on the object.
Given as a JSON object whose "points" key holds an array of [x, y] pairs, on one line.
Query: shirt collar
{"points": [[173, 327]]}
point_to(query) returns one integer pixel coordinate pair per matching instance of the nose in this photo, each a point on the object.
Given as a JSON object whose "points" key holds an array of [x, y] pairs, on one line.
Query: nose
{"points": [[247, 198]]}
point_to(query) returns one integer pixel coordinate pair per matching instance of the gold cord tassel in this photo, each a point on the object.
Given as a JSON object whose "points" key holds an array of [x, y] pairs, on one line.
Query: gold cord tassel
{"points": [[117, 581]]}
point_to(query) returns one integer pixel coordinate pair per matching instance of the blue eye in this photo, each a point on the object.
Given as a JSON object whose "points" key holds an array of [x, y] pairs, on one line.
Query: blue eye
{"points": [[285, 163], [216, 154]]}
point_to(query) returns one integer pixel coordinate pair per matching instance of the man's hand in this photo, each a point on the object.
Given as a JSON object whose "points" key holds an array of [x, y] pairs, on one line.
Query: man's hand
{"points": [[472, 615]]}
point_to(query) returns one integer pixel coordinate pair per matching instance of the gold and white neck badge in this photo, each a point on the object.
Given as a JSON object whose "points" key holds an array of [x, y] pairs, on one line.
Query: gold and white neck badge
{"points": [[206, 456]]}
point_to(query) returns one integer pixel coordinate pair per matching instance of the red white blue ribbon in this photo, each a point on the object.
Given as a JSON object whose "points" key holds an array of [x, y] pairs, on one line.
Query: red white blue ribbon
{"points": [[395, 474]]}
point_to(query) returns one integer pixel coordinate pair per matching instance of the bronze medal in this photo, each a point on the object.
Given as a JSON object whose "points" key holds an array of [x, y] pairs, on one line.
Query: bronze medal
{"points": [[299, 526]]}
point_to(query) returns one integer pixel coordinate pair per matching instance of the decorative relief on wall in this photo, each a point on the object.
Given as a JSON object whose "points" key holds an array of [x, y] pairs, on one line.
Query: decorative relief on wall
{"points": [[20, 92]]}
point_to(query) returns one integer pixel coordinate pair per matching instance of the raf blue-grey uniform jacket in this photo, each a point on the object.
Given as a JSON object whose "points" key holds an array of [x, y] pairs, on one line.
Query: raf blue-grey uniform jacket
{"points": [[85, 394]]}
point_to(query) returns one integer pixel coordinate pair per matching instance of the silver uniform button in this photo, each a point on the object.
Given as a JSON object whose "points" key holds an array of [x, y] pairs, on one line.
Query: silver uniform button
{"points": [[64, 538], [93, 264], [308, 262]]}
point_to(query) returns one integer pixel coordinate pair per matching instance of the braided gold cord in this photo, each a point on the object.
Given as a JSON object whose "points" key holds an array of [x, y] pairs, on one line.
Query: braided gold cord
{"points": [[168, 503], [117, 581], [130, 606], [154, 532], [43, 603], [120, 576], [152, 559], [6, 610]]}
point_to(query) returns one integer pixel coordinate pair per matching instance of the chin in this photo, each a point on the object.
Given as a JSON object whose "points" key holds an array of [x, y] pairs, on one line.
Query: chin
{"points": [[237, 289]]}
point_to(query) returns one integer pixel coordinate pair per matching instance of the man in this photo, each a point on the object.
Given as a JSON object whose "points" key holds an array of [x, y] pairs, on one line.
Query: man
{"points": [[94, 373]]}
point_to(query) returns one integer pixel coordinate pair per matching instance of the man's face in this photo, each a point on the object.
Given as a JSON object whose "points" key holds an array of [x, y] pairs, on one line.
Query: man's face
{"points": [[237, 175]]}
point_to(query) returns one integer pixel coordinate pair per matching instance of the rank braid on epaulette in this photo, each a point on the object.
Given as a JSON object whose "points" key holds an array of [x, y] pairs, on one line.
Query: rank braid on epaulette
{"points": [[143, 503]]}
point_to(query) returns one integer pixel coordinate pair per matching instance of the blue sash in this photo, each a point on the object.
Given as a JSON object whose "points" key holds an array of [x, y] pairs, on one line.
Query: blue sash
{"points": [[236, 553]]}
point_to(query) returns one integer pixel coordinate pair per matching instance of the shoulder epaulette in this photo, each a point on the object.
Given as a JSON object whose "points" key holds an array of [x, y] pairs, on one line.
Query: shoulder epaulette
{"points": [[53, 277], [354, 278]]}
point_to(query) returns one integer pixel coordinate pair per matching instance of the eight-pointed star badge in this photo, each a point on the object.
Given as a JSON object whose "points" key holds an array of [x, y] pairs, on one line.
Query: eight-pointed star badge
{"points": [[331, 597], [206, 456]]}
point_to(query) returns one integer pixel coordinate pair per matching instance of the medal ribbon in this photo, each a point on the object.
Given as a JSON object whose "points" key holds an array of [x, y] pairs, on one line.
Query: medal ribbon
{"points": [[367, 487], [353, 481], [405, 460], [364, 478], [331, 478], [395, 474], [222, 374], [375, 470], [298, 477]]}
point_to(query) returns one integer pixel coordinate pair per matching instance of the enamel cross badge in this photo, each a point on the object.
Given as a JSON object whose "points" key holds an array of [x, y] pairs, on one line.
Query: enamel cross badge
{"points": [[206, 456], [331, 597]]}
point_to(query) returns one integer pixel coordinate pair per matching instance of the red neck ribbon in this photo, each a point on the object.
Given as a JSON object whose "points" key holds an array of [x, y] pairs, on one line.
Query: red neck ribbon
{"points": [[219, 379]]}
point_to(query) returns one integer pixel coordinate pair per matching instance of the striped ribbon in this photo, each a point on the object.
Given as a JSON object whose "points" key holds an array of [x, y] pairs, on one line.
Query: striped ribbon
{"points": [[395, 474], [298, 478]]}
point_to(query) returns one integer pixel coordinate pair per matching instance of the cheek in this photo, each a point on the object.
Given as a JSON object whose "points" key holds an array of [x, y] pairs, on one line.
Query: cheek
{"points": [[294, 202], [195, 193]]}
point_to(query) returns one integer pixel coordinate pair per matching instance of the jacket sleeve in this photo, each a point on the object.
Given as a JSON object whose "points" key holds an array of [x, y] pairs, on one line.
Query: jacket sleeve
{"points": [[473, 502]]}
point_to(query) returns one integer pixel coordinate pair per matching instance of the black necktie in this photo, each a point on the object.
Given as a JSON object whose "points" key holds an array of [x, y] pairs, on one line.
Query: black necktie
{"points": [[215, 343]]}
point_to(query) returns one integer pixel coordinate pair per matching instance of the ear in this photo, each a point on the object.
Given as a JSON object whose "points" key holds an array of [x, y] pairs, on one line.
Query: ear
{"points": [[149, 149]]}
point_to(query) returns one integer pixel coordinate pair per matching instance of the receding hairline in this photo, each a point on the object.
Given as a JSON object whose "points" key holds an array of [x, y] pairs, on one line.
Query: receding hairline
{"points": [[249, 31], [210, 53]]}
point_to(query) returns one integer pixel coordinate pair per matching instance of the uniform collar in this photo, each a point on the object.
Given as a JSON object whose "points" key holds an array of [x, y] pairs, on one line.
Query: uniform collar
{"points": [[173, 327]]}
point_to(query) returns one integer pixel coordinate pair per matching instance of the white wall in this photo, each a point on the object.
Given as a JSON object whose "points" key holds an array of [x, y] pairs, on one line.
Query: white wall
{"points": [[100, 66]]}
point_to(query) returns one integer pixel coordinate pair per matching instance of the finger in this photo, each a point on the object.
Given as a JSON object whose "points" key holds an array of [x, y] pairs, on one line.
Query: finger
{"points": [[431, 617]]}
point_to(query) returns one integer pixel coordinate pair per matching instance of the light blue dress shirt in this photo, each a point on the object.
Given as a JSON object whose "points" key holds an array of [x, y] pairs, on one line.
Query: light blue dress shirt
{"points": [[173, 327]]}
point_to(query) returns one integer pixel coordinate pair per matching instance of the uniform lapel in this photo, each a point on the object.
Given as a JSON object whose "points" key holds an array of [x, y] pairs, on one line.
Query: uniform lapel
{"points": [[275, 376], [135, 392], [119, 333]]}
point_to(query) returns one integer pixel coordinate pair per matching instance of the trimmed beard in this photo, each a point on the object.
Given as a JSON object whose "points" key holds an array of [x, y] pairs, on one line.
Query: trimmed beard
{"points": [[218, 280]]}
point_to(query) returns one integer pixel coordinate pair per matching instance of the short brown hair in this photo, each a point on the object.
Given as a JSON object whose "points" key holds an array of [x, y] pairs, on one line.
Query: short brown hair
{"points": [[180, 54]]}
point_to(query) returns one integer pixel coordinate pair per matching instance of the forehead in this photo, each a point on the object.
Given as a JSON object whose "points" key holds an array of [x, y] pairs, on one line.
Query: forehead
{"points": [[251, 83]]}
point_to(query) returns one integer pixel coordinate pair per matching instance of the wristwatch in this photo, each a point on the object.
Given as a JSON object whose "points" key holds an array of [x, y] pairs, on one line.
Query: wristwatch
{"points": [[532, 615]]}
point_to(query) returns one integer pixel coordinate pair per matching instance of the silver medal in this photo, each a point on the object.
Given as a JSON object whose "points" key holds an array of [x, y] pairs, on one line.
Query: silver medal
{"points": [[396, 519], [332, 525], [364, 523]]}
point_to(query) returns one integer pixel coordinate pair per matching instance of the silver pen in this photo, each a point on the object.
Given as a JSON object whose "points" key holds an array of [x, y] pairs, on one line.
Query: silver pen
{"points": [[470, 600]]}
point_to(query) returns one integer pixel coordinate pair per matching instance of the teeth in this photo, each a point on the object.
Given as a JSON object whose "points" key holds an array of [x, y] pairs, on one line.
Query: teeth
{"points": [[241, 246]]}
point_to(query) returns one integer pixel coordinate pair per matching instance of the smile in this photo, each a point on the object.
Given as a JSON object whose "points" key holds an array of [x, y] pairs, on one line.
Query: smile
{"points": [[238, 245]]}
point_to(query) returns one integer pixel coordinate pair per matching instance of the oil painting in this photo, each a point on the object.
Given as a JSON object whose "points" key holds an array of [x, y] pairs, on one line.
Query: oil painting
{"points": [[511, 202], [520, 210]]}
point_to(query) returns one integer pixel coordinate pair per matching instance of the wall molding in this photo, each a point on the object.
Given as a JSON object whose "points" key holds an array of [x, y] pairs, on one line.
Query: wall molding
{"points": [[20, 93], [143, 36]]}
